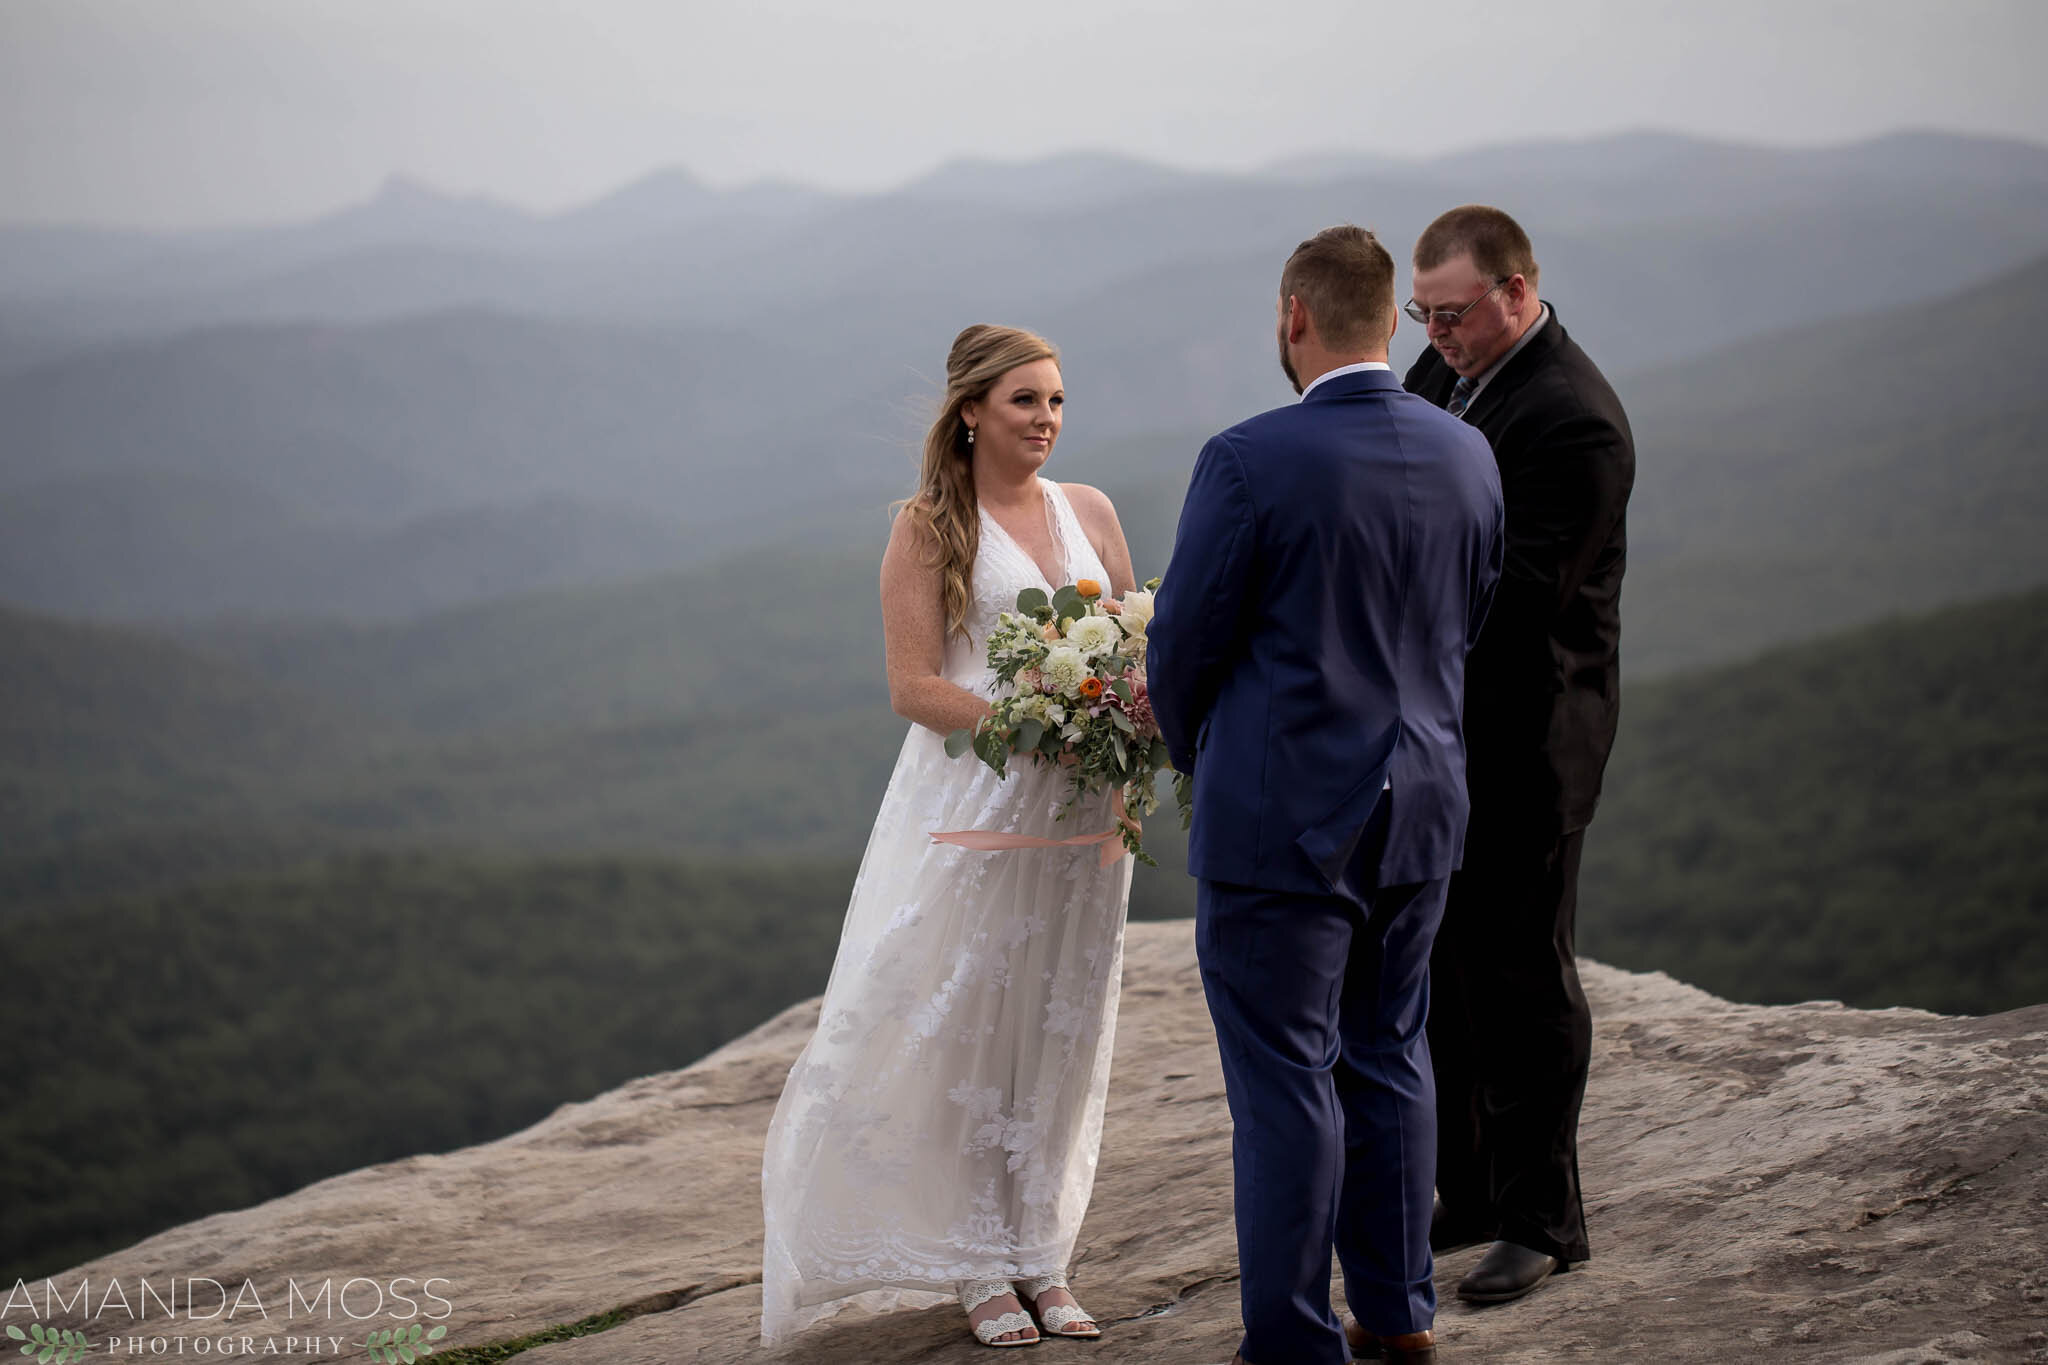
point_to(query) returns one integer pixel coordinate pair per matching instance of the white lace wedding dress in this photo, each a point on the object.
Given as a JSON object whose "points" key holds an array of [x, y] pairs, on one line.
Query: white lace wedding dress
{"points": [[942, 1124]]}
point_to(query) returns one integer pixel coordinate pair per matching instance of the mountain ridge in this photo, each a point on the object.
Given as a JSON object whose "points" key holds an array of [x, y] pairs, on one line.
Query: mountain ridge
{"points": [[380, 423]]}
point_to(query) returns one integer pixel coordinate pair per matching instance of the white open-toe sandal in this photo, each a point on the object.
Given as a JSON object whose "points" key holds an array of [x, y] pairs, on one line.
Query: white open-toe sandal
{"points": [[1060, 1318], [975, 1293]]}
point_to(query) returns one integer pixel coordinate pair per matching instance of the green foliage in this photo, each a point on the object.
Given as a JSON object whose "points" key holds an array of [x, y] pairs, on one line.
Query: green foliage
{"points": [[174, 1054], [1863, 818], [565, 1331]]}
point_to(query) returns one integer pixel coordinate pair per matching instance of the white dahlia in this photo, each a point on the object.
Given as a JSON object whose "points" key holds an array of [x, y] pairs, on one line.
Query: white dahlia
{"points": [[1094, 635], [1064, 668]]}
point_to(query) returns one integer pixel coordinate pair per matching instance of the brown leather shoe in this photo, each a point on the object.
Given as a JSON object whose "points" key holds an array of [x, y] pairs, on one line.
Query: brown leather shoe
{"points": [[1410, 1348]]}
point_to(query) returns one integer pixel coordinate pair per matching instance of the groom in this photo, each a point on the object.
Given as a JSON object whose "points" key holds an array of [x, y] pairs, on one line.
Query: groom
{"points": [[1306, 664]]}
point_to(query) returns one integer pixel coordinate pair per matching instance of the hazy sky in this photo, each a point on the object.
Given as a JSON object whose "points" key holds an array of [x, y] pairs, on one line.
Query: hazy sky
{"points": [[176, 112]]}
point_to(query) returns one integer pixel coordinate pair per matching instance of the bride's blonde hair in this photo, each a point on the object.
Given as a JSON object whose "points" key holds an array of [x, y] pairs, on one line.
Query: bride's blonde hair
{"points": [[944, 502]]}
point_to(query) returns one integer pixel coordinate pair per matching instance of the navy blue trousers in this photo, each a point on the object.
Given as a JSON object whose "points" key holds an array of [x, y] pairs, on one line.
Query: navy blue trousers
{"points": [[1319, 1004]]}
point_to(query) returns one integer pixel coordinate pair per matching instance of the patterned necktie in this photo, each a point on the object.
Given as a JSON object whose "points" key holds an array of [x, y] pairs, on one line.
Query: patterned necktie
{"points": [[1461, 395]]}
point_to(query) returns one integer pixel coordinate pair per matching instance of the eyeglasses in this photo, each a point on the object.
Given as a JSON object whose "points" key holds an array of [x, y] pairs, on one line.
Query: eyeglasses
{"points": [[1425, 316]]}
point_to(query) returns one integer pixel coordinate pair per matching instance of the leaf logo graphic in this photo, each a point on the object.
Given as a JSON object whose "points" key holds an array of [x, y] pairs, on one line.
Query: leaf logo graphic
{"points": [[50, 1346], [396, 1344]]}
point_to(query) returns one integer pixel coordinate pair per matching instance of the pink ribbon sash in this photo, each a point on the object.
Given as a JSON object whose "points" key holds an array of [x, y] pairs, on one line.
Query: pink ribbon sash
{"points": [[992, 841]]}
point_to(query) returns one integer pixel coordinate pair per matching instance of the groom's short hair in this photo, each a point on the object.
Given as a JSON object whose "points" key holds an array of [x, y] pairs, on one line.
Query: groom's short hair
{"points": [[1345, 279], [1496, 243]]}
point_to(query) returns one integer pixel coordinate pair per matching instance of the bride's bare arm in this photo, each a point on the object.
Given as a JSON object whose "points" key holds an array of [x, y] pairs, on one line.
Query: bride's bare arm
{"points": [[914, 636], [1098, 518]]}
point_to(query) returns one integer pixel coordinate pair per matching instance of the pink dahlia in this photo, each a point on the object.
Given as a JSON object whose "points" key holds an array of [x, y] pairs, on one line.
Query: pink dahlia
{"points": [[1139, 708]]}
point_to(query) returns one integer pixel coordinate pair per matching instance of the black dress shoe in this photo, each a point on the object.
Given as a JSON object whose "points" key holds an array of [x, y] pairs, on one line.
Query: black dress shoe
{"points": [[1446, 1235], [1505, 1272]]}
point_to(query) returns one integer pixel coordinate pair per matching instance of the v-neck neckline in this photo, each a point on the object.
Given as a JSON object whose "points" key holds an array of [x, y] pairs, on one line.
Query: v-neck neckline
{"points": [[1051, 513]]}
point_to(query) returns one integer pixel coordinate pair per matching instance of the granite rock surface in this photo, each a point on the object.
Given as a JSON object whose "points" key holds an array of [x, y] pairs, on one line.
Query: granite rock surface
{"points": [[1806, 1182]]}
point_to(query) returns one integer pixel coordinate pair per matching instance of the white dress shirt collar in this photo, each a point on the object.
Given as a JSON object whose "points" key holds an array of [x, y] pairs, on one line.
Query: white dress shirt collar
{"points": [[1360, 368]]}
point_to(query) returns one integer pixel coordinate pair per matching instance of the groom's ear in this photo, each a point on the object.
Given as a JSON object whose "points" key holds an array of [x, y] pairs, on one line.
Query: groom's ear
{"points": [[1295, 318]]}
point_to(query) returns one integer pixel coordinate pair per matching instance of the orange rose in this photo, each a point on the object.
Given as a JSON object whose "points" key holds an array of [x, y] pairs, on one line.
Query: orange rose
{"points": [[1091, 688], [1088, 588]]}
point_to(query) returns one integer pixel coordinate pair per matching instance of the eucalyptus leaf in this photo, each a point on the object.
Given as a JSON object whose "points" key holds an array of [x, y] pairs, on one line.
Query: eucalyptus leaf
{"points": [[1123, 723], [1030, 600], [1029, 733], [958, 742]]}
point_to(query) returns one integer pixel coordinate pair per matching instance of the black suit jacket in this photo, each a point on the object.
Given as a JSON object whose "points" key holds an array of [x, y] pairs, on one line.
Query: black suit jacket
{"points": [[1543, 685]]}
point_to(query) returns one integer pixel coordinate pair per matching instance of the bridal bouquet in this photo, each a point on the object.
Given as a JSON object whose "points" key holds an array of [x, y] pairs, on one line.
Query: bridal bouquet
{"points": [[1072, 675]]}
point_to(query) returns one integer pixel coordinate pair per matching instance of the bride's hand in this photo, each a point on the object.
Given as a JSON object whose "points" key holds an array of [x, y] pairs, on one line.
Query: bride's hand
{"points": [[1113, 607]]}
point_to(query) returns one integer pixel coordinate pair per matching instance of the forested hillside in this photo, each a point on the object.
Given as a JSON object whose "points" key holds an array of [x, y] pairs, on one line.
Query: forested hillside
{"points": [[224, 1045], [1862, 818]]}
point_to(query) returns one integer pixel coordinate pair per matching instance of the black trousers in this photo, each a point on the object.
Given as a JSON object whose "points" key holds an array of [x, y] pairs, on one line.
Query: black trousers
{"points": [[1510, 1038]]}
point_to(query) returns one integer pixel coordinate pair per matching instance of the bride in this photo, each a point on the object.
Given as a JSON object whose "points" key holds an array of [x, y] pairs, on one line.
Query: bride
{"points": [[938, 1134]]}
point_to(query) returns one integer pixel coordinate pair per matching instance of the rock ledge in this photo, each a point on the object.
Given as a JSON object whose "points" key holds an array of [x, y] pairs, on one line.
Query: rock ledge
{"points": [[1812, 1182]]}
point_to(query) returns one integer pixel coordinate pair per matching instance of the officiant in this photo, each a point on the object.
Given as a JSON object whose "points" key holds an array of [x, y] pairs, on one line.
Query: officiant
{"points": [[1510, 1033]]}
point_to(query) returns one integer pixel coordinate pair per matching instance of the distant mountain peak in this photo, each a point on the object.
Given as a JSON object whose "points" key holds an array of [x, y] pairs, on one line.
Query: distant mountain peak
{"points": [[401, 188], [671, 178], [406, 199], [664, 190], [1090, 158], [1069, 178]]}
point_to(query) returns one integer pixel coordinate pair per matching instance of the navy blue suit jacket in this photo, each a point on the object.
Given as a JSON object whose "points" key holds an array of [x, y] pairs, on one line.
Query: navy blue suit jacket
{"points": [[1334, 563]]}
